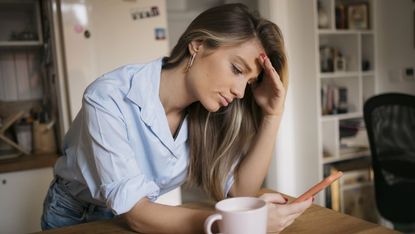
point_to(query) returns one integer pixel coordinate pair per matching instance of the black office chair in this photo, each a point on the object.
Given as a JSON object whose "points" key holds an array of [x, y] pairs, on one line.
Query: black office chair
{"points": [[390, 124]]}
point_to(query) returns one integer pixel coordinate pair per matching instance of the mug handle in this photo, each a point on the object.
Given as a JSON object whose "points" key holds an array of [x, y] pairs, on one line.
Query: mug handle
{"points": [[210, 220]]}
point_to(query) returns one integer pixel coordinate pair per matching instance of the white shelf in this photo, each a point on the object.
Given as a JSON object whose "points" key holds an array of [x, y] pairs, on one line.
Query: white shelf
{"points": [[368, 73], [325, 118], [20, 43], [333, 159], [329, 75], [344, 31]]}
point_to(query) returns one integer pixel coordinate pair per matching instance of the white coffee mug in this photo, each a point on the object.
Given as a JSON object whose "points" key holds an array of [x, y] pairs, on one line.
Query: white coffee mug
{"points": [[239, 215]]}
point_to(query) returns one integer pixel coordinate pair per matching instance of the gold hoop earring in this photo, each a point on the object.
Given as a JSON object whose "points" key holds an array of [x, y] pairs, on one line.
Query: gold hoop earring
{"points": [[190, 63]]}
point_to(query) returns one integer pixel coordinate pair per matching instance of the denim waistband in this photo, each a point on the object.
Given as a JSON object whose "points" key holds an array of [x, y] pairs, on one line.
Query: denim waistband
{"points": [[72, 187]]}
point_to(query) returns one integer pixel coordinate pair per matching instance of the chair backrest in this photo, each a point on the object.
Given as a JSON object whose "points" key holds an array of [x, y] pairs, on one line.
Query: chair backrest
{"points": [[390, 124]]}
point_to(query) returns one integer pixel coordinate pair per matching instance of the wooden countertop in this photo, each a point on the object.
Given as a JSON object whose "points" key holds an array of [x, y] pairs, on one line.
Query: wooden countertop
{"points": [[27, 162], [316, 219]]}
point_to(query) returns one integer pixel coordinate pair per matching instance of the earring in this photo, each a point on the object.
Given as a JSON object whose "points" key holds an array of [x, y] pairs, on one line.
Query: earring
{"points": [[190, 63]]}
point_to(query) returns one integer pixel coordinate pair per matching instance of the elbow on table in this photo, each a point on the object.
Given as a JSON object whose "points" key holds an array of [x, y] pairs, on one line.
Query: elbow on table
{"points": [[133, 223], [133, 220]]}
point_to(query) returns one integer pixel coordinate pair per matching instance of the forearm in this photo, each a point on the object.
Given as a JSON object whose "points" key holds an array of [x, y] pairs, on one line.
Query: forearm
{"points": [[254, 167], [149, 217]]}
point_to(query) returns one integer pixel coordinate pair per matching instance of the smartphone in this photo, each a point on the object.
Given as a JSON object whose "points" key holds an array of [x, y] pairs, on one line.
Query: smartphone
{"points": [[318, 187]]}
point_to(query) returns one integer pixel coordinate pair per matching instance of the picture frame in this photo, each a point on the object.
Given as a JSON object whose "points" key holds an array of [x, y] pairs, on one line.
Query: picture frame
{"points": [[339, 64], [358, 16]]}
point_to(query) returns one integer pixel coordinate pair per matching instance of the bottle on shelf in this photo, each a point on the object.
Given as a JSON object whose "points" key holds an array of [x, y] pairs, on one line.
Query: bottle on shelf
{"points": [[323, 17]]}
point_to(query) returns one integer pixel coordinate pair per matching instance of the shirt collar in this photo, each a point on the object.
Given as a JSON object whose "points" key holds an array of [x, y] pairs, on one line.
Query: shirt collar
{"points": [[145, 84], [144, 92]]}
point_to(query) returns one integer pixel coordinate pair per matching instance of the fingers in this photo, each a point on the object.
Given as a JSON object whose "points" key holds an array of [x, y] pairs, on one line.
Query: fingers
{"points": [[296, 208], [270, 71], [274, 198], [267, 65], [281, 216]]}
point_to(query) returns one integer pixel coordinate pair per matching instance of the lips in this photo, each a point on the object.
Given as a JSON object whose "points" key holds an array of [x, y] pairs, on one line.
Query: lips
{"points": [[224, 100]]}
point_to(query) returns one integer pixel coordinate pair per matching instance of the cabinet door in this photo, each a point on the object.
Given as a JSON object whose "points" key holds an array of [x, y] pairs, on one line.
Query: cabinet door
{"points": [[21, 199]]}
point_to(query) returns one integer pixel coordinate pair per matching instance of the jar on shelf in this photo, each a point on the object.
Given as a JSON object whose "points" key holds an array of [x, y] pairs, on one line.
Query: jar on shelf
{"points": [[323, 17]]}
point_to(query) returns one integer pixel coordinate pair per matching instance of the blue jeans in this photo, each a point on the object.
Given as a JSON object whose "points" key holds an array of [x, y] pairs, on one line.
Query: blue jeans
{"points": [[61, 208]]}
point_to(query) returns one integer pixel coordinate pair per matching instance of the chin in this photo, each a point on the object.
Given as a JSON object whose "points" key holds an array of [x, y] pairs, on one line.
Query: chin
{"points": [[211, 107]]}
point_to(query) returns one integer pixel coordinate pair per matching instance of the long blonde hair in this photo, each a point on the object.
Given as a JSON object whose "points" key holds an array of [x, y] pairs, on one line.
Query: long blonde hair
{"points": [[219, 140]]}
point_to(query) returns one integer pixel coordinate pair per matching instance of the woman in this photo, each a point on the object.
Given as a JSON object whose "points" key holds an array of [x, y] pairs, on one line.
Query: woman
{"points": [[207, 115]]}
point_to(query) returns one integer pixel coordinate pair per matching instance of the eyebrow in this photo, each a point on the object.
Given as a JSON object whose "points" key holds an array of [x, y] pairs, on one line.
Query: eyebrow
{"points": [[243, 62]]}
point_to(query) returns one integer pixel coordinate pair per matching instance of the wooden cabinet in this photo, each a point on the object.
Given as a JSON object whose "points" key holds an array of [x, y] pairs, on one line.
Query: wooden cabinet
{"points": [[21, 199]]}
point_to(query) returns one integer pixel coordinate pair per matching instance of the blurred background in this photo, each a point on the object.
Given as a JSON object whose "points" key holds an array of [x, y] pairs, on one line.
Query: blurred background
{"points": [[341, 53]]}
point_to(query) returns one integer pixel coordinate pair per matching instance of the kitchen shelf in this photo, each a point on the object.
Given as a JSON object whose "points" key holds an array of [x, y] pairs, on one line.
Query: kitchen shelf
{"points": [[28, 162], [20, 43]]}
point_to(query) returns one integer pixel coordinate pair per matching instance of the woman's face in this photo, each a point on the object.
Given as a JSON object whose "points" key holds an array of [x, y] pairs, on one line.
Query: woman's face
{"points": [[218, 77]]}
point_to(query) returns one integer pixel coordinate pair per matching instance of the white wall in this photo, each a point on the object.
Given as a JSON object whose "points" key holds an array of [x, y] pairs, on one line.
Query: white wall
{"points": [[395, 43], [180, 14], [295, 167]]}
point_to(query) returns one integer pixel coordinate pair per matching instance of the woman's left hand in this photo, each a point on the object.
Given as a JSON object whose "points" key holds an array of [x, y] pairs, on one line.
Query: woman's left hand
{"points": [[270, 93]]}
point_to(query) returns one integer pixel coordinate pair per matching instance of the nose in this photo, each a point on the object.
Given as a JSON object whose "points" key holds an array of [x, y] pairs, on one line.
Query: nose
{"points": [[239, 89]]}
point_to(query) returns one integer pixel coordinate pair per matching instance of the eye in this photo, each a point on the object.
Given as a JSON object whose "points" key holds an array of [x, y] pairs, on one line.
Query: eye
{"points": [[236, 70]]}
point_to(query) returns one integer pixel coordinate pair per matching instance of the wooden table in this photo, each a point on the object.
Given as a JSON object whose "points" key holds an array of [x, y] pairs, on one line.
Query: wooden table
{"points": [[316, 219]]}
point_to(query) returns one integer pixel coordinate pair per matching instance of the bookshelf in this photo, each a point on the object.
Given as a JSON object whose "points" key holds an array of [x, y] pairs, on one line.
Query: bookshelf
{"points": [[355, 46], [345, 73]]}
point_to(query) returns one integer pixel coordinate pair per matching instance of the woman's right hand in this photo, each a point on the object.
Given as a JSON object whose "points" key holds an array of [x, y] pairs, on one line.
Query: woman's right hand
{"points": [[281, 214]]}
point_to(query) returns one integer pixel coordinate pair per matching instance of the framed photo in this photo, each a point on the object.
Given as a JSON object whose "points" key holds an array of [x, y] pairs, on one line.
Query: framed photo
{"points": [[339, 64], [358, 16]]}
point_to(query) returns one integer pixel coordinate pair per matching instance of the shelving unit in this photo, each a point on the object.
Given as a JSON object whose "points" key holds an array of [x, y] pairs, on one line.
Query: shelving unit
{"points": [[25, 174], [21, 42], [357, 75], [20, 23], [355, 46]]}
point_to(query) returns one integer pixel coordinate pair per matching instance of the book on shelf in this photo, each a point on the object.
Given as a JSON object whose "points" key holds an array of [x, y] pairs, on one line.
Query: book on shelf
{"points": [[353, 193], [333, 99]]}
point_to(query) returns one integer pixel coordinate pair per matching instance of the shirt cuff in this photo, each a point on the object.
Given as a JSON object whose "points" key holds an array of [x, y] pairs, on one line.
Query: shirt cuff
{"points": [[121, 196]]}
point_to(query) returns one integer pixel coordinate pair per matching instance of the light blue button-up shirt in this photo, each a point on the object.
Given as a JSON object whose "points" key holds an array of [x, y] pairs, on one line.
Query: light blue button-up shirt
{"points": [[119, 148]]}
